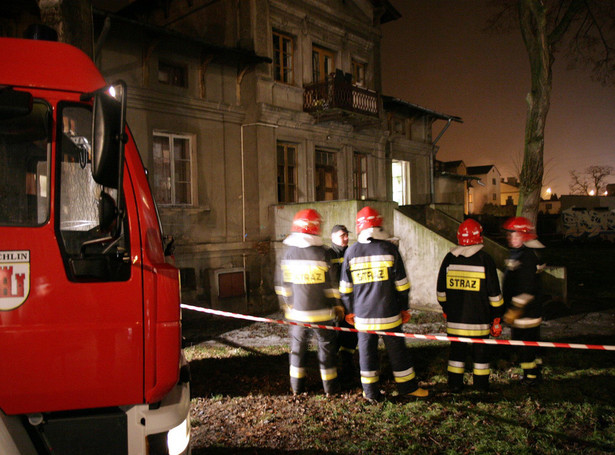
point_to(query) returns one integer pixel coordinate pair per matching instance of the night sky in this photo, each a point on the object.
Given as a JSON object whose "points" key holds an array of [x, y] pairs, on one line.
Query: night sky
{"points": [[438, 56]]}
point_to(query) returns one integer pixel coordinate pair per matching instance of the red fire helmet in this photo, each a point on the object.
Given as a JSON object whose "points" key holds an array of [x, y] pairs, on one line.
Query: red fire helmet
{"points": [[522, 225], [470, 233], [368, 217], [307, 221]]}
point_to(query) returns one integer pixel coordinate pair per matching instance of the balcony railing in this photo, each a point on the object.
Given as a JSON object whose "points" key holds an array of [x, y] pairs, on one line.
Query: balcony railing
{"points": [[336, 99]]}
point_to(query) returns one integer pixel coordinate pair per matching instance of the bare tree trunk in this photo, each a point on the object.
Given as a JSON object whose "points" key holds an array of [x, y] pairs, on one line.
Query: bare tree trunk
{"points": [[532, 16], [72, 20]]}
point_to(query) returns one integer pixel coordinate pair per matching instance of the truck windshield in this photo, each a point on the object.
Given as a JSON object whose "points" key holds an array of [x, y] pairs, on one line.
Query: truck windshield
{"points": [[24, 167]]}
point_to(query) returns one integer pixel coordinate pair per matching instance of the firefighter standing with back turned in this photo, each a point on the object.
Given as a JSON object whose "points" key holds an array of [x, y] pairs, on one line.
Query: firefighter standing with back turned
{"points": [[522, 293], [308, 296], [374, 289], [469, 292]]}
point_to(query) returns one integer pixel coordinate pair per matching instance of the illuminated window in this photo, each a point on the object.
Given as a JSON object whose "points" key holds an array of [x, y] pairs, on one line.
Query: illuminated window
{"points": [[401, 182], [287, 172], [323, 61], [173, 168], [283, 58]]}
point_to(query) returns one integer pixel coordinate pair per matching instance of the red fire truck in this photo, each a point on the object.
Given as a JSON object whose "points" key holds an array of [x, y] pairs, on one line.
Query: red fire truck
{"points": [[90, 324]]}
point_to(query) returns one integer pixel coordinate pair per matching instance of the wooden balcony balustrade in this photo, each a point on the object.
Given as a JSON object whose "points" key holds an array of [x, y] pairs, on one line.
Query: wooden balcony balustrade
{"points": [[336, 98]]}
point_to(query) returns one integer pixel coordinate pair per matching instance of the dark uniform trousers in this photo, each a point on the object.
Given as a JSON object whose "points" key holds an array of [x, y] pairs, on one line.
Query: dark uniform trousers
{"points": [[529, 356], [327, 349], [456, 364], [399, 356]]}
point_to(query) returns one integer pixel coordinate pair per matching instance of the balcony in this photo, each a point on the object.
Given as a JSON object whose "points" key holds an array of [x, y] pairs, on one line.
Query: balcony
{"points": [[337, 100]]}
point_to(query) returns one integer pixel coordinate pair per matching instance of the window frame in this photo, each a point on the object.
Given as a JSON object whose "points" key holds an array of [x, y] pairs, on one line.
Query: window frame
{"points": [[172, 136], [320, 73], [283, 73], [174, 69], [328, 166], [405, 181], [284, 187], [360, 176], [358, 79]]}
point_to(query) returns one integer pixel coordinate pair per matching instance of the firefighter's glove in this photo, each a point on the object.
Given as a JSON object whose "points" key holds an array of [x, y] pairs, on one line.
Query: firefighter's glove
{"points": [[350, 318], [405, 316], [496, 328], [339, 313]]}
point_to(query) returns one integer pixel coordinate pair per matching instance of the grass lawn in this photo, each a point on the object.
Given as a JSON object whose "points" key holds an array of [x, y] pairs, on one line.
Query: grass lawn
{"points": [[242, 402]]}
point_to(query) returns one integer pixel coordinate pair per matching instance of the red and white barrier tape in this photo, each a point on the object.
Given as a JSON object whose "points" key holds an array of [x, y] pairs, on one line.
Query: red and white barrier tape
{"points": [[545, 344]]}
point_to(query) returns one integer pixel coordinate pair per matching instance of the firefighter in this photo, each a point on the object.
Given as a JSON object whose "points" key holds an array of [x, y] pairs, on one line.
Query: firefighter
{"points": [[522, 293], [374, 289], [469, 292], [307, 294], [347, 341]]}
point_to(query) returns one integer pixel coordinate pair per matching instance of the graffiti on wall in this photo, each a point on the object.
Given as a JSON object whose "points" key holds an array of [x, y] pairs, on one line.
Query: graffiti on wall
{"points": [[586, 224]]}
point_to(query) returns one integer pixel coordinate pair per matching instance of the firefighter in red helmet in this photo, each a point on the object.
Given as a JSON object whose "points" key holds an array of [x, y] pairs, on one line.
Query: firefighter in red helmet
{"points": [[374, 289], [304, 286], [521, 288], [469, 292]]}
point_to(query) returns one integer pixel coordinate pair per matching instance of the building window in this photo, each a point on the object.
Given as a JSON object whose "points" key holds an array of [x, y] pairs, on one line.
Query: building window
{"points": [[360, 176], [398, 126], [323, 61], [358, 73], [283, 58], [287, 172], [174, 75], [401, 182], [494, 197], [325, 176], [493, 181], [173, 168]]}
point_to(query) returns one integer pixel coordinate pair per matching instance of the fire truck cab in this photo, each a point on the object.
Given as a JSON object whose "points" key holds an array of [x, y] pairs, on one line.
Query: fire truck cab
{"points": [[90, 322]]}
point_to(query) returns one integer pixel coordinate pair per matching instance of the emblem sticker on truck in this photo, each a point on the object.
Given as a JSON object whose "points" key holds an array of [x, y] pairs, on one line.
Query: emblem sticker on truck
{"points": [[14, 278]]}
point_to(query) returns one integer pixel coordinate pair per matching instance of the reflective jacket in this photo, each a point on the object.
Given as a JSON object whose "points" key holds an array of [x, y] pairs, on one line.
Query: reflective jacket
{"points": [[374, 285], [521, 285], [337, 259], [469, 291], [303, 281]]}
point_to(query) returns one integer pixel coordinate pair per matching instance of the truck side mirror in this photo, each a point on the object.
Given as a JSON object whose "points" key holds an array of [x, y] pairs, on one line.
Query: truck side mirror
{"points": [[108, 135]]}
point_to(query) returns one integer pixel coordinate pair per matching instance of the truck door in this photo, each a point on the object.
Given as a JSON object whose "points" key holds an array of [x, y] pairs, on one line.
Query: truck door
{"points": [[71, 330]]}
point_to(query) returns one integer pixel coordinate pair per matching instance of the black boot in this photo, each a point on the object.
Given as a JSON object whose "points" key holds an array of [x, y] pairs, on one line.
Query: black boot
{"points": [[455, 382]]}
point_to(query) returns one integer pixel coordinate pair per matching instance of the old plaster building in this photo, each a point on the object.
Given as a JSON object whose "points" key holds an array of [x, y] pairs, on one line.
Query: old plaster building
{"points": [[242, 106]]}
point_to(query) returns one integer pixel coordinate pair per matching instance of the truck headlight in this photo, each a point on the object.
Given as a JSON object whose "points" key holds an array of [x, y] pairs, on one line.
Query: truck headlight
{"points": [[178, 438]]}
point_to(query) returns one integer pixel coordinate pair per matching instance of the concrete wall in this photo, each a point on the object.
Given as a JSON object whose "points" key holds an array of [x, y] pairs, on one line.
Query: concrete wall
{"points": [[423, 251]]}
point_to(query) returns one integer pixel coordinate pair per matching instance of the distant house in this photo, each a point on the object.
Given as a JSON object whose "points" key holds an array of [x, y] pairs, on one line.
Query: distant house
{"points": [[484, 190], [451, 184], [550, 206], [509, 191]]}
